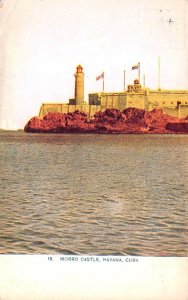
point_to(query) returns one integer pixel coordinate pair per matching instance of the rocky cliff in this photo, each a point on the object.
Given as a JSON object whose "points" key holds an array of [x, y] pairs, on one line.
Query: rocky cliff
{"points": [[131, 120]]}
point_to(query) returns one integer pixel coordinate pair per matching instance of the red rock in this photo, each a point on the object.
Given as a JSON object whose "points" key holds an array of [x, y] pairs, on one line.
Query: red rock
{"points": [[131, 120], [35, 125], [134, 114], [181, 127]]}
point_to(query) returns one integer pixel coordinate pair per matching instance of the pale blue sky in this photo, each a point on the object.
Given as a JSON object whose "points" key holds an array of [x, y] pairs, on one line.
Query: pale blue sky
{"points": [[42, 41]]}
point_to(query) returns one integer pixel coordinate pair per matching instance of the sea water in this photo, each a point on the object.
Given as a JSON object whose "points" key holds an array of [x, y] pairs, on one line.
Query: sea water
{"points": [[94, 194]]}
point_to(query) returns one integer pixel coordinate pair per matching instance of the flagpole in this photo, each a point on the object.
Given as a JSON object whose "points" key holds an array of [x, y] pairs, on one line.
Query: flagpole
{"points": [[103, 82], [139, 72], [124, 80], [159, 71]]}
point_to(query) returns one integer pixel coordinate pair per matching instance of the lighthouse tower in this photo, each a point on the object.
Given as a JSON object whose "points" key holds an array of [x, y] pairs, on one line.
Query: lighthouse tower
{"points": [[79, 85]]}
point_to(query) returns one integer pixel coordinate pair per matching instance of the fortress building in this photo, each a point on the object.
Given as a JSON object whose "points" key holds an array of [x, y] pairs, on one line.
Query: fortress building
{"points": [[173, 102]]}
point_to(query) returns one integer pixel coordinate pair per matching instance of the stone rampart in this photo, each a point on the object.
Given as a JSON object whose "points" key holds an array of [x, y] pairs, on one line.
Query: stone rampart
{"points": [[183, 111], [174, 103], [66, 108]]}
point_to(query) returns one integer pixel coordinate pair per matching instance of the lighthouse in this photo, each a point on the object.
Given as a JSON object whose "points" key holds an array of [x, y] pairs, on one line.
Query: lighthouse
{"points": [[79, 85]]}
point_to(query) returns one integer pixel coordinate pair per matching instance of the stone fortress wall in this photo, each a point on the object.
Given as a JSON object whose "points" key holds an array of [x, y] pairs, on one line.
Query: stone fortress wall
{"points": [[67, 108], [173, 102]]}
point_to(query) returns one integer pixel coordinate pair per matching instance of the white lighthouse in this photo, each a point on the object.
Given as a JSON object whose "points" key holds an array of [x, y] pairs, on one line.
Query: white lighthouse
{"points": [[79, 85]]}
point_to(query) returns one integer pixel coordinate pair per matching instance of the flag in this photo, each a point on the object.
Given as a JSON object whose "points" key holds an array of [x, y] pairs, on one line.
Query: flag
{"points": [[100, 76], [135, 67]]}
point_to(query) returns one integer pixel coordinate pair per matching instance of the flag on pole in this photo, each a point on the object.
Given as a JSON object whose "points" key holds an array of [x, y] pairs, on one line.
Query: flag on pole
{"points": [[100, 76], [135, 67]]}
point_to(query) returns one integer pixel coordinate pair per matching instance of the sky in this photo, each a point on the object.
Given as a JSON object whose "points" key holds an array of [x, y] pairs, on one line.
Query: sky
{"points": [[42, 42]]}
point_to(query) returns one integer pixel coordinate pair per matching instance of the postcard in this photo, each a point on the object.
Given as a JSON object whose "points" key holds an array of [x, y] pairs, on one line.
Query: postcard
{"points": [[94, 149]]}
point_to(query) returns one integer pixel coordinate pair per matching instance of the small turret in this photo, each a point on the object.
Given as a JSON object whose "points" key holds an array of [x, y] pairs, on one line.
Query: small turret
{"points": [[136, 87], [136, 81]]}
